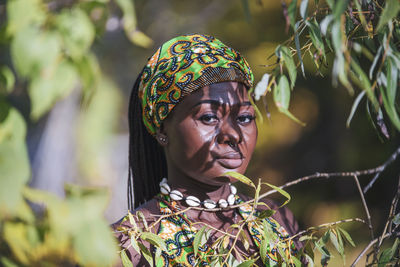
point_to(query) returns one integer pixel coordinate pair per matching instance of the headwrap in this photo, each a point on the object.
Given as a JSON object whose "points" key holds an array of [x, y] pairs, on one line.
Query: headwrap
{"points": [[183, 65]]}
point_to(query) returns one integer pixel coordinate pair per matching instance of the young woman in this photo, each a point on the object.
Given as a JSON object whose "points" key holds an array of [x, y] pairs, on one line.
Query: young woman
{"points": [[191, 121]]}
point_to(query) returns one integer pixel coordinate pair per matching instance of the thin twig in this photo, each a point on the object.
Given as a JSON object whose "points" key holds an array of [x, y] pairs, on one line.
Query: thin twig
{"points": [[371, 229]]}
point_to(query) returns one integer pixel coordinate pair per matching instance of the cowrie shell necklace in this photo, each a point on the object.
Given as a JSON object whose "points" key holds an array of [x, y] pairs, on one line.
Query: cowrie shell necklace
{"points": [[193, 201]]}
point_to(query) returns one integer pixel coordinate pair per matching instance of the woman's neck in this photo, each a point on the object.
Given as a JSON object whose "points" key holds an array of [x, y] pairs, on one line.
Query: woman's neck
{"points": [[191, 187]]}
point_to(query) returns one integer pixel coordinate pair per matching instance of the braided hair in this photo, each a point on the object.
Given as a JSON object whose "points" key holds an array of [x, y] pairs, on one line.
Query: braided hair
{"points": [[147, 164]]}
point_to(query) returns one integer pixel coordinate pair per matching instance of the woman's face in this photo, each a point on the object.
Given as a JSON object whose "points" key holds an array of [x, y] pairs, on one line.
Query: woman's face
{"points": [[210, 132]]}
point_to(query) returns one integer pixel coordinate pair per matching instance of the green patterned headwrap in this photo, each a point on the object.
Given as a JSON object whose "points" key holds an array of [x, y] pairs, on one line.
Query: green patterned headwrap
{"points": [[183, 65]]}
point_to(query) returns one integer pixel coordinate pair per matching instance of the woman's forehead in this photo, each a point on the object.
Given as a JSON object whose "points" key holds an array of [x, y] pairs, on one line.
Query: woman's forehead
{"points": [[222, 93]]}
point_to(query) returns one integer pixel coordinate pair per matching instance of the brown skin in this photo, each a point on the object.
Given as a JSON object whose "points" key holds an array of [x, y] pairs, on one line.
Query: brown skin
{"points": [[210, 132]]}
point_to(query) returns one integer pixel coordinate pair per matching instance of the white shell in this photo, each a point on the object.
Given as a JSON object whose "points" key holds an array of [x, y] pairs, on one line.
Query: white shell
{"points": [[233, 190], [176, 195], [163, 181], [231, 199], [192, 201], [209, 204], [222, 203], [165, 189]]}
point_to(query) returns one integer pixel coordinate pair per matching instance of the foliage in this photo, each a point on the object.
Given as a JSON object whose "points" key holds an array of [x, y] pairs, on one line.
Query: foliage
{"points": [[49, 45], [358, 41]]}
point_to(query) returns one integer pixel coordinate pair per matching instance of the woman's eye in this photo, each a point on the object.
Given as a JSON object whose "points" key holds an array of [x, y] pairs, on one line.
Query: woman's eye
{"points": [[245, 119], [209, 119]]}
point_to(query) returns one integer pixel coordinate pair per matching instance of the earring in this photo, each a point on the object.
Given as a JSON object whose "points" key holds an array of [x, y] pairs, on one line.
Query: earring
{"points": [[162, 139]]}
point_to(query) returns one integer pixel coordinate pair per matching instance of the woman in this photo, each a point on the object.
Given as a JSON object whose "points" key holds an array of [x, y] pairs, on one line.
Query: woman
{"points": [[191, 121]]}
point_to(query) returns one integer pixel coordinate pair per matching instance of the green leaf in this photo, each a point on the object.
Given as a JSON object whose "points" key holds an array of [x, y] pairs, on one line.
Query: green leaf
{"points": [[285, 54], [35, 52], [130, 24], [375, 61], [247, 263], [388, 254], [126, 262], [45, 91], [7, 80], [347, 236], [14, 167], [240, 177], [337, 242], [364, 82], [197, 240], [392, 80], [280, 191], [266, 214], [396, 219], [77, 31], [339, 7], [303, 8], [154, 239], [392, 7], [292, 12], [282, 98], [298, 49], [19, 18], [315, 35], [354, 107], [390, 109], [146, 253]]}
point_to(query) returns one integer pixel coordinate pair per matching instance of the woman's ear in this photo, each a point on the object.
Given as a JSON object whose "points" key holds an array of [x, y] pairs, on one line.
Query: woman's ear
{"points": [[161, 136]]}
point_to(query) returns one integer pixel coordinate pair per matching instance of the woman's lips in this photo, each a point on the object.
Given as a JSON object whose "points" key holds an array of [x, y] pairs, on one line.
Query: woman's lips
{"points": [[230, 160]]}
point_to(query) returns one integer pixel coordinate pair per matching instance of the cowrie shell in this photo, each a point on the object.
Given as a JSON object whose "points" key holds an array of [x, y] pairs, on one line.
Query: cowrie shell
{"points": [[222, 203], [163, 181], [176, 195], [233, 189], [165, 189], [192, 201], [209, 204], [231, 199]]}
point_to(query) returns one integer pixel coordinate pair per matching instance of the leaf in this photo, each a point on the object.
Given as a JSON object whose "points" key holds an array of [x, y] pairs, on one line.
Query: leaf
{"points": [[247, 263], [396, 219], [240, 177], [315, 35], [14, 167], [337, 242], [339, 7], [292, 12], [261, 87], [197, 240], [347, 236], [375, 61], [392, 80], [146, 253], [388, 254], [284, 53], [125, 260], [364, 82], [390, 11], [154, 239], [130, 24], [7, 80], [77, 31], [282, 98], [303, 8], [298, 49], [266, 214], [390, 109], [44, 91], [34, 50], [282, 192], [354, 107], [18, 18]]}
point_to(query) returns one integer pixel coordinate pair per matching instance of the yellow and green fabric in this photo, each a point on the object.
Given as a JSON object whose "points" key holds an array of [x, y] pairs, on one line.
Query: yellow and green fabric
{"points": [[183, 65]]}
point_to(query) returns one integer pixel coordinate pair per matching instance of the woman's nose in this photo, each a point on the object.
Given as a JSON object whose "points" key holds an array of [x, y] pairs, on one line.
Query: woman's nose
{"points": [[229, 133]]}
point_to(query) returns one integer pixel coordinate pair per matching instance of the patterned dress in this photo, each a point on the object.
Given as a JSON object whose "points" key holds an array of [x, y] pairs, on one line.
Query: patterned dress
{"points": [[178, 235]]}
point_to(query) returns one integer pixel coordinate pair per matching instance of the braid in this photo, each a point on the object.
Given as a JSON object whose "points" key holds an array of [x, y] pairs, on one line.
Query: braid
{"points": [[147, 165]]}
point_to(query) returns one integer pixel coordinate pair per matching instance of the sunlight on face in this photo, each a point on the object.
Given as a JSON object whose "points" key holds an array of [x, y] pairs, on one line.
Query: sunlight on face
{"points": [[210, 132]]}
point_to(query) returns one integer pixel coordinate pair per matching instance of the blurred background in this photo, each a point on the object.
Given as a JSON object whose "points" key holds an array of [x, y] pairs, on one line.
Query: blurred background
{"points": [[83, 139]]}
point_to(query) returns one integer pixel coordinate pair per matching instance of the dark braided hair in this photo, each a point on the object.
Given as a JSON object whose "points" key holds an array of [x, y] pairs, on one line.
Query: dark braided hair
{"points": [[147, 164]]}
